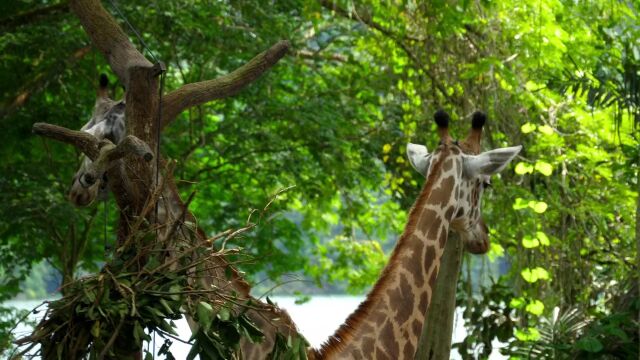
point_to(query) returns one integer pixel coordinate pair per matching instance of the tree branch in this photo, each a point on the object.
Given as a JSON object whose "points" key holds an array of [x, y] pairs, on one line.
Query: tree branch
{"points": [[198, 93], [103, 153], [85, 142], [107, 36], [110, 154]]}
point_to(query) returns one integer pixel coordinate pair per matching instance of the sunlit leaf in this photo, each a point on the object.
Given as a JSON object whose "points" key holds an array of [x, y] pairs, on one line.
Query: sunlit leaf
{"points": [[544, 168], [528, 242], [543, 238], [538, 206], [535, 274], [535, 307], [520, 203], [527, 128], [528, 334], [517, 302], [545, 129], [523, 168]]}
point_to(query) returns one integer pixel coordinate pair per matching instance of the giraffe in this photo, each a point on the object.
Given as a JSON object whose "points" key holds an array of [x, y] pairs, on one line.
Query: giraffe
{"points": [[387, 324], [107, 122]]}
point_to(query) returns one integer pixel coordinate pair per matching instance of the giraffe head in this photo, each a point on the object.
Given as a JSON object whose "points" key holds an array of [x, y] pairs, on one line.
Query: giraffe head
{"points": [[107, 122], [473, 171]]}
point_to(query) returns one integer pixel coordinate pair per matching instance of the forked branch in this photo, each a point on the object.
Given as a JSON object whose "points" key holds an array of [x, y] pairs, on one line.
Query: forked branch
{"points": [[108, 38], [110, 154], [201, 92], [91, 146], [83, 141]]}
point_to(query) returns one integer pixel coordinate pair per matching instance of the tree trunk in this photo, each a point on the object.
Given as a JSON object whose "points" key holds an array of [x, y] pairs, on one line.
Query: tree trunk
{"points": [[435, 342]]}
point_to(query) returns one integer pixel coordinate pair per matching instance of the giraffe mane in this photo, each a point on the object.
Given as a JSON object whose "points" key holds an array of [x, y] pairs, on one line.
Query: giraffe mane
{"points": [[336, 342]]}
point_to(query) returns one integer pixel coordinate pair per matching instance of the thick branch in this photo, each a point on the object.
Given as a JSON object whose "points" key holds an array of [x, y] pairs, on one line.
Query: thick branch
{"points": [[85, 142], [131, 145], [198, 93], [108, 38], [103, 153], [110, 154]]}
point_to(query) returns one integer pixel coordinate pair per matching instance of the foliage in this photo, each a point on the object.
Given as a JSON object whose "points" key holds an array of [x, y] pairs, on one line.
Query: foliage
{"points": [[333, 118], [491, 316], [126, 297]]}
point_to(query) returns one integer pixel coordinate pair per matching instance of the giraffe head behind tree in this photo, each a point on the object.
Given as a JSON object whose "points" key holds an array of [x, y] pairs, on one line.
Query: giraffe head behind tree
{"points": [[107, 122], [387, 325]]}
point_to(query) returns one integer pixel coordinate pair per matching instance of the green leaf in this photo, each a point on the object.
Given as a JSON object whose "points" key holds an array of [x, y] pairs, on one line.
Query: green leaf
{"points": [[618, 332], [164, 325], [589, 344], [545, 129], [544, 168], [528, 334], [529, 243], [517, 302], [205, 314], [523, 168], [520, 204], [542, 237], [535, 274], [535, 307], [538, 206], [224, 314], [95, 329], [528, 276], [541, 273], [527, 128]]}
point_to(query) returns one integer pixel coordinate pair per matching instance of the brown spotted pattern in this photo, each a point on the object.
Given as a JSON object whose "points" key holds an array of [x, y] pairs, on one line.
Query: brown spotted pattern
{"points": [[388, 324]]}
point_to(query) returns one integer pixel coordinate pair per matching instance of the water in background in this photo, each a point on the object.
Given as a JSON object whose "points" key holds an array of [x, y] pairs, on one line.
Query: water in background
{"points": [[317, 320]]}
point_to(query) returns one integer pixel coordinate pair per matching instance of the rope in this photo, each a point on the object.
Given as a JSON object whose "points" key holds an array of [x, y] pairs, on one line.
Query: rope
{"points": [[158, 123], [133, 29], [106, 221]]}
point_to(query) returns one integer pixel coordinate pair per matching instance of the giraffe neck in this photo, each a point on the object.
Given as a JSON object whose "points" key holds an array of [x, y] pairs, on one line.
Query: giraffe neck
{"points": [[387, 325]]}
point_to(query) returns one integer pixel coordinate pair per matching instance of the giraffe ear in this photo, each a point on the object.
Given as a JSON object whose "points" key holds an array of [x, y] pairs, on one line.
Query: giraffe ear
{"points": [[489, 162], [419, 157]]}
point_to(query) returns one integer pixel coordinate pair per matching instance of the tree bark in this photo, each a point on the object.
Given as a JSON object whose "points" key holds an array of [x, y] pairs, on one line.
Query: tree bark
{"points": [[108, 38], [435, 341]]}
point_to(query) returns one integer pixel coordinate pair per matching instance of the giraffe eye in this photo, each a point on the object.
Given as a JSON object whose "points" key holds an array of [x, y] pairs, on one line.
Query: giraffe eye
{"points": [[486, 185]]}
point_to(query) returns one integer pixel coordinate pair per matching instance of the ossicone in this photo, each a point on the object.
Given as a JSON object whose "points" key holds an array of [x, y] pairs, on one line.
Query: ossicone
{"points": [[442, 118], [478, 119], [104, 80]]}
